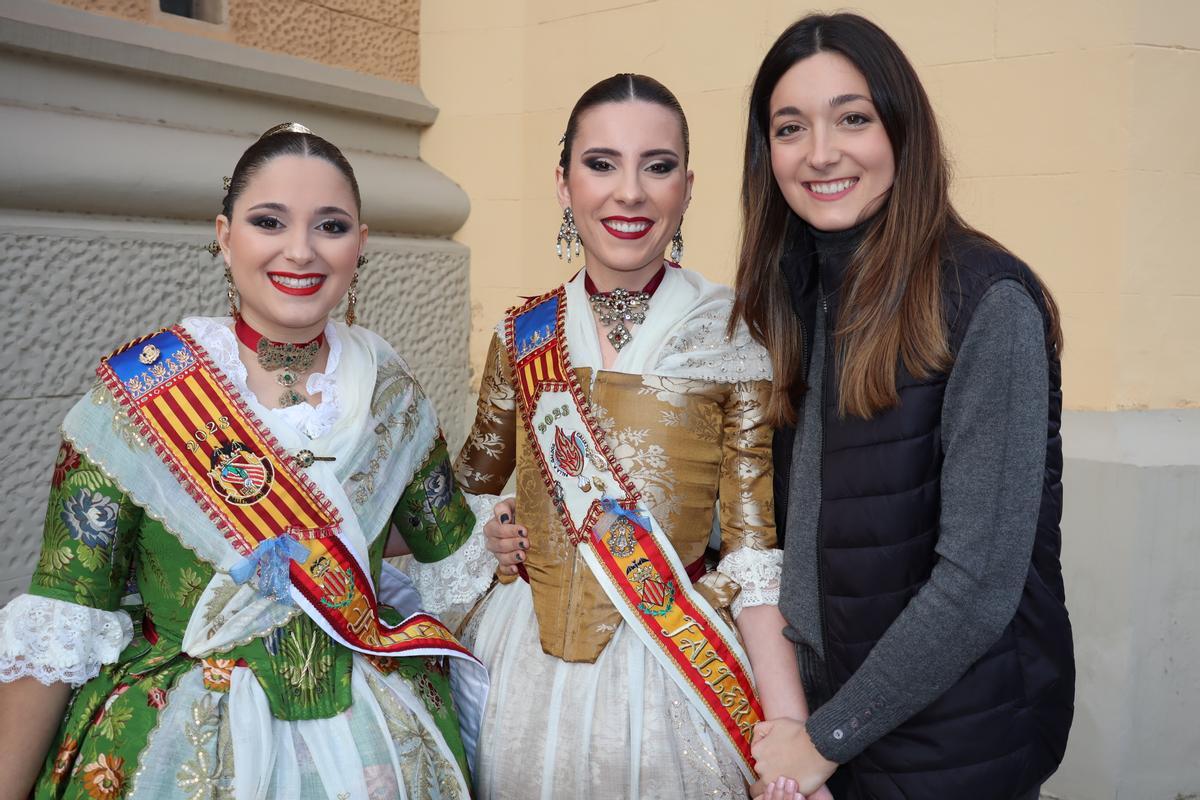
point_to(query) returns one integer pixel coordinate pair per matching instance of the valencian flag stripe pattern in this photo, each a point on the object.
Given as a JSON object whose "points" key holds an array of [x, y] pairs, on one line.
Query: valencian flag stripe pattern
{"points": [[232, 466]]}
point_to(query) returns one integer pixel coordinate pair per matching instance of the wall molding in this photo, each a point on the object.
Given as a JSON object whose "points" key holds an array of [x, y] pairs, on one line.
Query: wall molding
{"points": [[107, 116], [55, 30]]}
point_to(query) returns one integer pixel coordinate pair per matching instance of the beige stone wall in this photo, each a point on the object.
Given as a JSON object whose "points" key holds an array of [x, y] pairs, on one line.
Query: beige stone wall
{"points": [[373, 37], [1069, 122]]}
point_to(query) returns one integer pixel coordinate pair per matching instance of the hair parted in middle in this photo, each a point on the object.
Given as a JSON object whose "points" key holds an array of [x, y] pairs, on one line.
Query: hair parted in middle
{"points": [[620, 88], [891, 312], [287, 139]]}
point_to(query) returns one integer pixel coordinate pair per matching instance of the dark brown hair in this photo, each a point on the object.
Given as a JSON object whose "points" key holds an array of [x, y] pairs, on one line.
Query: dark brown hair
{"points": [[621, 88], [892, 309], [288, 139]]}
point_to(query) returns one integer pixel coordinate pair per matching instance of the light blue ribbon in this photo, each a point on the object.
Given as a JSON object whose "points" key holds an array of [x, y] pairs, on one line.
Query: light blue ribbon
{"points": [[272, 560], [635, 516]]}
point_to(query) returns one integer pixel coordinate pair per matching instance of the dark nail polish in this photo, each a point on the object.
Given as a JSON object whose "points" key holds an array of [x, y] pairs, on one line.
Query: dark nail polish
{"points": [[523, 545], [520, 556], [504, 518], [523, 533]]}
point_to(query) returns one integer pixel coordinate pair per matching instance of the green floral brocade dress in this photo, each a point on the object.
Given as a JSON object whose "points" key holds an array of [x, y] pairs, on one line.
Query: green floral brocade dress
{"points": [[316, 719]]}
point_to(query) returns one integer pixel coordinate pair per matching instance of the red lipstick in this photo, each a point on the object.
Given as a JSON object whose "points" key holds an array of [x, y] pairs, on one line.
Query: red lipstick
{"points": [[286, 282], [627, 227]]}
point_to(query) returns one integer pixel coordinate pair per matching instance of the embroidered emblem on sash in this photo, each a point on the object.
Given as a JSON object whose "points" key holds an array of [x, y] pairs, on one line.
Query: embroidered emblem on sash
{"points": [[620, 538], [338, 584], [240, 475], [569, 456], [658, 596]]}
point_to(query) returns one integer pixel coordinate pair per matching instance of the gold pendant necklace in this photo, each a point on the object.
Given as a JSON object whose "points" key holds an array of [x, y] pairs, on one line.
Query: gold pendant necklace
{"points": [[292, 359]]}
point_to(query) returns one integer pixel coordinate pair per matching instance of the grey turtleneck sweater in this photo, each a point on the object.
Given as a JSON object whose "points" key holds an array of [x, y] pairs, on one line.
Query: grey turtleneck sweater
{"points": [[994, 437]]}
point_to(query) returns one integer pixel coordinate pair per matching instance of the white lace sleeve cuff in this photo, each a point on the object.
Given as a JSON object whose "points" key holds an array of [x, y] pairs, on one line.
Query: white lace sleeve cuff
{"points": [[59, 642], [455, 583], [757, 572]]}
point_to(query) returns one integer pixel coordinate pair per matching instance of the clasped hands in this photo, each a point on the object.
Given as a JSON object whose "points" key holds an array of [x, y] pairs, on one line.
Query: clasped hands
{"points": [[788, 764]]}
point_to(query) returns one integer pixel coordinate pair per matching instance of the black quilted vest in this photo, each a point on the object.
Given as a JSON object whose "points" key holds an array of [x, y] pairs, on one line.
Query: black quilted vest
{"points": [[1002, 729]]}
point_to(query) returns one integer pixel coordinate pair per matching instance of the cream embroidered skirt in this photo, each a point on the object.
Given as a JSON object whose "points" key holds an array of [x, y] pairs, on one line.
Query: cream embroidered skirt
{"points": [[618, 728]]}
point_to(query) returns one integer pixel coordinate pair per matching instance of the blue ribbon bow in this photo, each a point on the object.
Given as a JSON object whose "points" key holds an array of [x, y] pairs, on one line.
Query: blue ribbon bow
{"points": [[272, 560], [613, 507]]}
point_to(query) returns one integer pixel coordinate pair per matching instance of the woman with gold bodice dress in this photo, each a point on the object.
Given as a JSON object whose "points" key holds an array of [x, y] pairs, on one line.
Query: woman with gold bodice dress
{"points": [[622, 392]]}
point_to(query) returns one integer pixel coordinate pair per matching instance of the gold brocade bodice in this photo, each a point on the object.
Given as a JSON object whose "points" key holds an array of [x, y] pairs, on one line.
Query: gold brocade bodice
{"points": [[684, 442]]}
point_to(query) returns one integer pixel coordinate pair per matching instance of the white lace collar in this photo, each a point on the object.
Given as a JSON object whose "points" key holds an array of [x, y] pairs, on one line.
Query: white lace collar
{"points": [[215, 334]]}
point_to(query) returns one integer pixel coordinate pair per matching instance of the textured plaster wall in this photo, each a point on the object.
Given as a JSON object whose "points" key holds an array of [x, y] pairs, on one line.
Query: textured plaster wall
{"points": [[374, 37], [1067, 122], [73, 296]]}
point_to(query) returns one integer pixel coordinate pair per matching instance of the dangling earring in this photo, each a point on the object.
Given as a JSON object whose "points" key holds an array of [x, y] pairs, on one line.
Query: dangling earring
{"points": [[231, 293], [352, 294], [568, 233], [677, 243]]}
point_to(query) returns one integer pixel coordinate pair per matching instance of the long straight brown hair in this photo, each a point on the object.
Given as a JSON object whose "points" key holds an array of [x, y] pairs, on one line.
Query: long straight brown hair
{"points": [[892, 309]]}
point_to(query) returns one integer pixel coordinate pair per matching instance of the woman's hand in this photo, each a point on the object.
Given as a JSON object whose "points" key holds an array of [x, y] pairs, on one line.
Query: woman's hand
{"points": [[785, 789], [782, 748], [779, 789], [506, 540]]}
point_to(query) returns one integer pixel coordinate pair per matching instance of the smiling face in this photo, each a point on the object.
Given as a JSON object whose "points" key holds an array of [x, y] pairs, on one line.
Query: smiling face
{"points": [[292, 245], [627, 187], [830, 154]]}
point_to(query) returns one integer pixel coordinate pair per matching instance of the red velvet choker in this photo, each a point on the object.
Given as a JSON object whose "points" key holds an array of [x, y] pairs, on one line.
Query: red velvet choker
{"points": [[649, 289], [251, 338]]}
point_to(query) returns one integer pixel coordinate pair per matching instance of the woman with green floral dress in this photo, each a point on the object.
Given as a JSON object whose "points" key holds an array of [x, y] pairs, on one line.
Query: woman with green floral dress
{"points": [[198, 670]]}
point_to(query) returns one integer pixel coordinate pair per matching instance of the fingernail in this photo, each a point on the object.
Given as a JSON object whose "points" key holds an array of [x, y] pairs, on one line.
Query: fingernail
{"points": [[523, 545], [504, 518], [520, 556], [522, 532]]}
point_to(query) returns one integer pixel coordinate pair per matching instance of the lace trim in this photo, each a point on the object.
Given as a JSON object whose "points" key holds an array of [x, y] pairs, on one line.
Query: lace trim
{"points": [[59, 642], [217, 337], [757, 572], [455, 583]]}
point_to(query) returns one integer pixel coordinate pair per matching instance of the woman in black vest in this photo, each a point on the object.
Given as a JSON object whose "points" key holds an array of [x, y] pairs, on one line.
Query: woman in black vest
{"points": [[918, 459]]}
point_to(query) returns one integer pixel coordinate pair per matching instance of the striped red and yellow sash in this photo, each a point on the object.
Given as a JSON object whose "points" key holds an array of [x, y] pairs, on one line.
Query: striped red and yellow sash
{"points": [[604, 515], [253, 490]]}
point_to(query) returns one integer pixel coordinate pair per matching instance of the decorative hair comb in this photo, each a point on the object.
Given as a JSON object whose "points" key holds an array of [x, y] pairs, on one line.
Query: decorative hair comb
{"points": [[287, 127]]}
